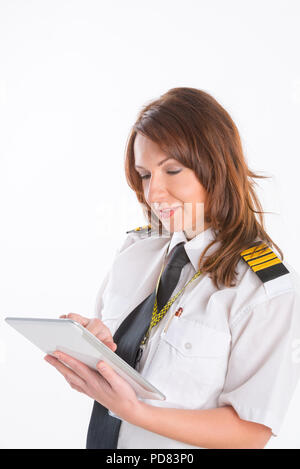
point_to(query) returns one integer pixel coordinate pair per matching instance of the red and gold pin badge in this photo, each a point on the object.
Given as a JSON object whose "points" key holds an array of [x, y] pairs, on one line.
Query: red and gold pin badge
{"points": [[179, 311]]}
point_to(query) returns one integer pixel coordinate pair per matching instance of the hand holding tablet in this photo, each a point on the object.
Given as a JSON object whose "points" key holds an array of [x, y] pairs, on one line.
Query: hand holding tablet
{"points": [[74, 339], [96, 327]]}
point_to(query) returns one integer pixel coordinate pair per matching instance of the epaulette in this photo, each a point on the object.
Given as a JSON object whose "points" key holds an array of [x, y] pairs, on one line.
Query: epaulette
{"points": [[264, 262], [141, 229]]}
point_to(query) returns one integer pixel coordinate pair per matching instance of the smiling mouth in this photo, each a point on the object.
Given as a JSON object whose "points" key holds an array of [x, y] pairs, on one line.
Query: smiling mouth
{"points": [[167, 213]]}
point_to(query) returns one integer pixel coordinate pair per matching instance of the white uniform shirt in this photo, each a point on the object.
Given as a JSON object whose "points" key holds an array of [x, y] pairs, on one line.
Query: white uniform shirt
{"points": [[234, 346]]}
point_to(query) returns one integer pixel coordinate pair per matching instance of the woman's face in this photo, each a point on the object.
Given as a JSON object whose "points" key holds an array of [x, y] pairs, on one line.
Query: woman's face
{"points": [[168, 183]]}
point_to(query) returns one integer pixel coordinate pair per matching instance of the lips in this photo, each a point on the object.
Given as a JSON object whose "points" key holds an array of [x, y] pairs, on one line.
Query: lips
{"points": [[167, 212], [169, 208]]}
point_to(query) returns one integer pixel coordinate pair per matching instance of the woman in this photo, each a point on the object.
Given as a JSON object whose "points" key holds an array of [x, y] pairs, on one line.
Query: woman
{"points": [[221, 308]]}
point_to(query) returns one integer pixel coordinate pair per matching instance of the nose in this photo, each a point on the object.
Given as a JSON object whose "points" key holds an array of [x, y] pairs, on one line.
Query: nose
{"points": [[156, 190]]}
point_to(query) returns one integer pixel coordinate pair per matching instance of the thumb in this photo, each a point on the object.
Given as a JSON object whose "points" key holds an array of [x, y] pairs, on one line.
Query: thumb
{"points": [[109, 374], [120, 387]]}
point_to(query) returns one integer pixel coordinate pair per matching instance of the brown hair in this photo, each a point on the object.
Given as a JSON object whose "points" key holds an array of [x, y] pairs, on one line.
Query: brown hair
{"points": [[189, 125]]}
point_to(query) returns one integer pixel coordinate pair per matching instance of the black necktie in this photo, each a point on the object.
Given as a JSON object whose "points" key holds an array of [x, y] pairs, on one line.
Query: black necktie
{"points": [[171, 274], [103, 431]]}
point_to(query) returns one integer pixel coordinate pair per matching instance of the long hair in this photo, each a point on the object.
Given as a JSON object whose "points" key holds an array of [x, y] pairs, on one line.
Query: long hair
{"points": [[189, 125]]}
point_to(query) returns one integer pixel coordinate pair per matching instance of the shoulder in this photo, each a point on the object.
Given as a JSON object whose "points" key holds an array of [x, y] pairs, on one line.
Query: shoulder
{"points": [[264, 262], [141, 231], [134, 235], [143, 235], [261, 277]]}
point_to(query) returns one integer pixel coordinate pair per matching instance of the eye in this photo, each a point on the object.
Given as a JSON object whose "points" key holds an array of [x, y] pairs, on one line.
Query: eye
{"points": [[146, 176]]}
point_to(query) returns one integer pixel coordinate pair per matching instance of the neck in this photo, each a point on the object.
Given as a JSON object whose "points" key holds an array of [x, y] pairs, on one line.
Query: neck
{"points": [[190, 233]]}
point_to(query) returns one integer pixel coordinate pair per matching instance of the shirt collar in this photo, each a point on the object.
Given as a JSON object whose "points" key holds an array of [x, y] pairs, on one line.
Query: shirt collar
{"points": [[195, 246]]}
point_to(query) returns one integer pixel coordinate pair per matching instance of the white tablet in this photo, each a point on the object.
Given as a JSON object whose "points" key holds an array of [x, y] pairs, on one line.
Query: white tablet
{"points": [[72, 338]]}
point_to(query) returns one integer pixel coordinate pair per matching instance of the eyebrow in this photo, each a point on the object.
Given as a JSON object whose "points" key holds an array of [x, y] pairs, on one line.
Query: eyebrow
{"points": [[159, 164]]}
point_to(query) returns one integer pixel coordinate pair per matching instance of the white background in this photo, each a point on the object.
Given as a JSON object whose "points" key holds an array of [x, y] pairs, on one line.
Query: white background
{"points": [[73, 77]]}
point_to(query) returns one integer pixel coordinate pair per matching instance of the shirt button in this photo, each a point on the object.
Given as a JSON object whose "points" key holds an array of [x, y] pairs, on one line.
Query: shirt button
{"points": [[188, 345]]}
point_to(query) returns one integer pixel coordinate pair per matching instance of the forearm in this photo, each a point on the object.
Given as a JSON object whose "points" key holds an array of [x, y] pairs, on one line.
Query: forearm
{"points": [[208, 428]]}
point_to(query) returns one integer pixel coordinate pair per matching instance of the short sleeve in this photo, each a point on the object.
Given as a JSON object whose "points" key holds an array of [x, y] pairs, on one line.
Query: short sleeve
{"points": [[264, 363]]}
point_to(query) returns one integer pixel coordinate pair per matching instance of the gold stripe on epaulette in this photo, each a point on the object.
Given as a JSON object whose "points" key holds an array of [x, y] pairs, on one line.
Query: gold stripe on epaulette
{"points": [[256, 254], [264, 258], [267, 264], [264, 262], [254, 249]]}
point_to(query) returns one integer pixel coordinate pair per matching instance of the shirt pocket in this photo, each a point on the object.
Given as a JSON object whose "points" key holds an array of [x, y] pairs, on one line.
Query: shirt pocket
{"points": [[190, 362], [194, 339]]}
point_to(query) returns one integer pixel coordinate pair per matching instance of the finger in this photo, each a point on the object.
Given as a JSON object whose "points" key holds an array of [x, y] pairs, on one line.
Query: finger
{"points": [[77, 388], [96, 327], [108, 341], [99, 329], [110, 375], [63, 316], [77, 366], [76, 317], [67, 373], [111, 345]]}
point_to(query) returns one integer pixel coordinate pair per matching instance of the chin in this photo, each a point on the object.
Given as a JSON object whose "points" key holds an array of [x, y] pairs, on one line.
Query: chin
{"points": [[172, 229]]}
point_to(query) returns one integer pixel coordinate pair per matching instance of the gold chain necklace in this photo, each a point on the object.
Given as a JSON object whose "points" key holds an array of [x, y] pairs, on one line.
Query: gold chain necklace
{"points": [[158, 315]]}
